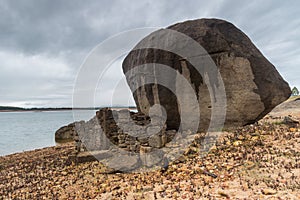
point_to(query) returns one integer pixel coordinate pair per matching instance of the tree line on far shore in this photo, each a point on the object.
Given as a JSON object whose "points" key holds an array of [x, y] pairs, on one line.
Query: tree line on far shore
{"points": [[13, 108]]}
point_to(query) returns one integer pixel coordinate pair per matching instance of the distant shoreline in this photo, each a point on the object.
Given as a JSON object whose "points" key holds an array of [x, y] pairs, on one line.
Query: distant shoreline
{"points": [[57, 109]]}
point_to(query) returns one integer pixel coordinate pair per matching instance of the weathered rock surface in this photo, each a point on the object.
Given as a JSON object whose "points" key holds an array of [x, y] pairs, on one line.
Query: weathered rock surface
{"points": [[111, 128], [252, 84], [92, 156]]}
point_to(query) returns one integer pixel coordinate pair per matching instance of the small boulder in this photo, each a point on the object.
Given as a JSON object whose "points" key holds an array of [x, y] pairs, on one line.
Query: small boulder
{"points": [[65, 133]]}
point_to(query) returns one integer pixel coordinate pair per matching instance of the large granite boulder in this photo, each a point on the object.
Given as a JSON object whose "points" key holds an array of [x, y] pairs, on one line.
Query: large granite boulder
{"points": [[253, 87]]}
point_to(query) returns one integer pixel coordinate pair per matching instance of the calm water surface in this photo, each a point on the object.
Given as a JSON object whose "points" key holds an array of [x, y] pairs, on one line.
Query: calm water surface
{"points": [[22, 131]]}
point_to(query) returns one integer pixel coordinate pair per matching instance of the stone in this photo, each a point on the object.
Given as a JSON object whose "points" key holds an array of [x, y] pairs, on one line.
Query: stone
{"points": [[155, 141], [133, 147], [164, 139], [252, 84], [170, 134], [269, 191], [237, 143], [145, 149], [289, 120], [123, 162], [151, 159], [123, 145], [65, 133], [223, 194], [143, 140], [87, 156]]}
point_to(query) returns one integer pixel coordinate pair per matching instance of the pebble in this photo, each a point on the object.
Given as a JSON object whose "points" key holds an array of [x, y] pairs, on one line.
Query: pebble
{"points": [[269, 191], [244, 169], [237, 143], [223, 194]]}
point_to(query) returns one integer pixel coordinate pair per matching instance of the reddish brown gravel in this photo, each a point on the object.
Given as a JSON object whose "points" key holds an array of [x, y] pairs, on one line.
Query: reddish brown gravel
{"points": [[259, 161]]}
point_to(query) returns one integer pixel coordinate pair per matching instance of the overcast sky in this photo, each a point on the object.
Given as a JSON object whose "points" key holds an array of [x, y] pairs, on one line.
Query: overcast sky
{"points": [[44, 43]]}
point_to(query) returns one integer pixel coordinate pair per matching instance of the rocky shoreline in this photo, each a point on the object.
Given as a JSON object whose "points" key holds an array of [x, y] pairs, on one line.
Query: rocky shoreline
{"points": [[260, 161]]}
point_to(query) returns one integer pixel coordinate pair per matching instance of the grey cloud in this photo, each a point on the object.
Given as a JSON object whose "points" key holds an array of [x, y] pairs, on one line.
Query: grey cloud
{"points": [[62, 33]]}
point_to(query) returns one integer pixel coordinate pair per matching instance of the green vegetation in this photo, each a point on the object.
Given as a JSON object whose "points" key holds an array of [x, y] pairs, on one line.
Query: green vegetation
{"points": [[11, 108], [278, 122], [295, 91]]}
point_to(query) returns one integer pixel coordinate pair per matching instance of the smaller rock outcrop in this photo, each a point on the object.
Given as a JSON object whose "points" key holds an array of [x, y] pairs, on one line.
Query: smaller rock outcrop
{"points": [[290, 121], [65, 133], [124, 140], [119, 131]]}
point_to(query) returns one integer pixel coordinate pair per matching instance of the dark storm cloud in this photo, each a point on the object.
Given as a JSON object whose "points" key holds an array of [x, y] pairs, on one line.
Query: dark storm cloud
{"points": [[43, 43], [54, 26]]}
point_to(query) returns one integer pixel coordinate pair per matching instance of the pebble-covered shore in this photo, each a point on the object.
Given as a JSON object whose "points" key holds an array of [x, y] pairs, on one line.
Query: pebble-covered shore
{"points": [[255, 162]]}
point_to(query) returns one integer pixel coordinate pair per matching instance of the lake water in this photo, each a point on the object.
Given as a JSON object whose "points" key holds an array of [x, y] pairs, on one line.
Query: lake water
{"points": [[22, 131]]}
